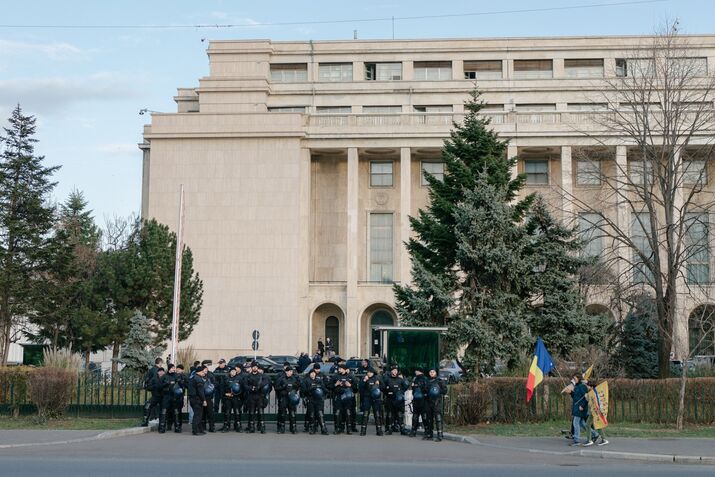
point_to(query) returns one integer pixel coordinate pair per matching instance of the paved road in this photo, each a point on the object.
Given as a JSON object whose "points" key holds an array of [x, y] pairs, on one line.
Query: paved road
{"points": [[302, 455]]}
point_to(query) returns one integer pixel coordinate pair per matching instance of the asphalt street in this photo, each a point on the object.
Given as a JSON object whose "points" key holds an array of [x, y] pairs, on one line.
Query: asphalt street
{"points": [[303, 455]]}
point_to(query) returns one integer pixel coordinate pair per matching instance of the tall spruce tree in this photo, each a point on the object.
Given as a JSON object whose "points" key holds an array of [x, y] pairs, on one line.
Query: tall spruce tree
{"points": [[139, 353], [495, 270], [25, 221]]}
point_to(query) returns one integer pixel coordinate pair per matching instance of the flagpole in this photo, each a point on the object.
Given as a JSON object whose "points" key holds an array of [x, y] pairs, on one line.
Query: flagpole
{"points": [[177, 278]]}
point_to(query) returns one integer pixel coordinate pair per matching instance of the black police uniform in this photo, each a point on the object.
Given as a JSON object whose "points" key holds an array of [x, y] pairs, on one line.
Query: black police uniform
{"points": [[197, 396], [343, 387], [233, 402], [435, 389], [152, 404], [395, 387], [368, 402], [221, 378], [419, 405], [211, 391], [255, 401], [169, 383], [287, 389], [315, 390]]}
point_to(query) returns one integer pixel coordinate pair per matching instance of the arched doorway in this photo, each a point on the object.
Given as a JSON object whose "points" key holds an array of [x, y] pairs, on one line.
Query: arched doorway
{"points": [[701, 330], [332, 331], [380, 317]]}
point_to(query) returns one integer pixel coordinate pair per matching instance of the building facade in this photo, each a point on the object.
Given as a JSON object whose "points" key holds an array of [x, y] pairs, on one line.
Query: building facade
{"points": [[302, 162]]}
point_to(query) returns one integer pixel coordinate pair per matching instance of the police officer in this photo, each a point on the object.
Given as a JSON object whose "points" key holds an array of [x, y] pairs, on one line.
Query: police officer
{"points": [[287, 388], [371, 391], [169, 384], [343, 386], [254, 398], [150, 384], [232, 400], [266, 387], [436, 388], [221, 377], [395, 387], [315, 389], [419, 408], [197, 399], [210, 393]]}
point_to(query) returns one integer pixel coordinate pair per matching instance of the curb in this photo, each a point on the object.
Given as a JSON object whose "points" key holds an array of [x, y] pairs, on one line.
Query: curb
{"points": [[665, 458], [130, 431]]}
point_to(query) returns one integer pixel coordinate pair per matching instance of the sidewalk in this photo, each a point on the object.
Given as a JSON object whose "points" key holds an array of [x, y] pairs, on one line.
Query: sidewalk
{"points": [[679, 450], [40, 437]]}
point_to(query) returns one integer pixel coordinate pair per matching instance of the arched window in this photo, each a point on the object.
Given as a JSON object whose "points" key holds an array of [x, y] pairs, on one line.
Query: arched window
{"points": [[332, 331], [380, 317], [701, 327]]}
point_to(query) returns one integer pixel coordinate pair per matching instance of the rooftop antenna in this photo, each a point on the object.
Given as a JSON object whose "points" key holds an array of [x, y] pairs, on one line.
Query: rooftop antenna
{"points": [[393, 27], [354, 34]]}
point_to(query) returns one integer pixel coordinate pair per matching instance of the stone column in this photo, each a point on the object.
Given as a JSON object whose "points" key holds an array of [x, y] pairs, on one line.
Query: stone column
{"points": [[512, 151], [358, 70], [304, 245], [567, 185], [622, 213], [352, 321], [405, 210]]}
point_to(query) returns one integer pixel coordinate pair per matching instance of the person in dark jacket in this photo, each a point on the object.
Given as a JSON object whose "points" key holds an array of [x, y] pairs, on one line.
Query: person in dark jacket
{"points": [[168, 384], [343, 387], [211, 393], [255, 399], [419, 408], [287, 388], [315, 389], [371, 389], [395, 387], [220, 375], [436, 388], [232, 397], [178, 402], [152, 404], [321, 348], [197, 399], [303, 362], [579, 413]]}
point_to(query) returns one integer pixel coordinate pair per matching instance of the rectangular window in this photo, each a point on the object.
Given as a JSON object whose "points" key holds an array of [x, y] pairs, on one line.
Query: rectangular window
{"points": [[533, 69], [335, 72], [695, 173], [381, 247], [434, 109], [689, 67], [492, 107], [483, 70], [381, 109], [697, 248], [383, 71], [640, 67], [586, 106], [621, 67], [537, 172], [588, 172], [584, 68], [637, 171], [589, 229], [289, 72], [287, 109], [433, 70], [434, 168], [381, 174], [640, 230], [529, 108], [334, 109]]}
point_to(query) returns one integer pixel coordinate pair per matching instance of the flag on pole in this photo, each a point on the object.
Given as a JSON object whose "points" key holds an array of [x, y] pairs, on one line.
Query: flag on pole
{"points": [[598, 405], [588, 373], [541, 365]]}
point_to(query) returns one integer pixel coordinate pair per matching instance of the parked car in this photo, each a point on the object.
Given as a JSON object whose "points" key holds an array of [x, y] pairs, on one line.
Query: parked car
{"points": [[283, 358], [353, 364], [450, 371], [324, 368], [268, 364]]}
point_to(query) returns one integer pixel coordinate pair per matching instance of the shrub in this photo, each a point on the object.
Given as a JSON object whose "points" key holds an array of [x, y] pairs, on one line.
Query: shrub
{"points": [[61, 359], [13, 386], [186, 356], [51, 390]]}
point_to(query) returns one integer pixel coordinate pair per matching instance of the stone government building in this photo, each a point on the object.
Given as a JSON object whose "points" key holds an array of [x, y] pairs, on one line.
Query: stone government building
{"points": [[302, 161]]}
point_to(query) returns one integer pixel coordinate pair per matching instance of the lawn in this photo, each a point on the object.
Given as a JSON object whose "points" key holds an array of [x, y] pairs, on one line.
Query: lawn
{"points": [[553, 428], [74, 424]]}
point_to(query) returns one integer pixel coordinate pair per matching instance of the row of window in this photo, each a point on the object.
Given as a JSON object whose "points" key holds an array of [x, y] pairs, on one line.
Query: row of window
{"points": [[588, 172], [477, 69], [696, 243], [381, 172]]}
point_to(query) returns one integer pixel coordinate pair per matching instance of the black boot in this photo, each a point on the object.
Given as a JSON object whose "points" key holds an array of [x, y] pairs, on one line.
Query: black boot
{"points": [[378, 425], [261, 423], [348, 431], [363, 424], [440, 428], [145, 418], [281, 428], [321, 423], [291, 423], [162, 421], [336, 424]]}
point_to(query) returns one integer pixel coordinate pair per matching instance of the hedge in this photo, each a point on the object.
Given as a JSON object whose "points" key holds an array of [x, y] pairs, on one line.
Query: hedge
{"points": [[630, 400]]}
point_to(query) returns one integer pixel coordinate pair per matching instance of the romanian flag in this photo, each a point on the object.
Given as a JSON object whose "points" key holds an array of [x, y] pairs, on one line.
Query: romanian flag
{"points": [[541, 365]]}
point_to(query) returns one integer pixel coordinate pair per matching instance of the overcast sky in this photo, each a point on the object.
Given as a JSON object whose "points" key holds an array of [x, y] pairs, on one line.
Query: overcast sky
{"points": [[87, 85]]}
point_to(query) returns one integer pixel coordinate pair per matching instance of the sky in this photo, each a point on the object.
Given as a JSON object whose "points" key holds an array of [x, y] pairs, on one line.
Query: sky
{"points": [[87, 85]]}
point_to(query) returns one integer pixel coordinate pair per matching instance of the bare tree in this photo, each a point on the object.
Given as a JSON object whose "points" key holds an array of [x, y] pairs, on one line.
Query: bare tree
{"points": [[659, 110]]}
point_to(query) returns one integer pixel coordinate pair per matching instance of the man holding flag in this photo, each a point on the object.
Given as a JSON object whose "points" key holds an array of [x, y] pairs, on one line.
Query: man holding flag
{"points": [[541, 365]]}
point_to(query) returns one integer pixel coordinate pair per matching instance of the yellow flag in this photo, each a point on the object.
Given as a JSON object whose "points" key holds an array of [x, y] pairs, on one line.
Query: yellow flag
{"points": [[588, 373], [598, 405]]}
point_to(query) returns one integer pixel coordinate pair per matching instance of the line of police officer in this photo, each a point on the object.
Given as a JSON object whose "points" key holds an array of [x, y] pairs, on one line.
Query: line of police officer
{"points": [[245, 390]]}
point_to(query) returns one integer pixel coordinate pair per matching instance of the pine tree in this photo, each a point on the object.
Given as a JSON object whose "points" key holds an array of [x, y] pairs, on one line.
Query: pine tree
{"points": [[638, 351], [138, 352], [25, 220]]}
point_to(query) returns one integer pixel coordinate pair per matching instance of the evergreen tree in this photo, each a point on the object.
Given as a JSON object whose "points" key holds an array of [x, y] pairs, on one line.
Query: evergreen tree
{"points": [[638, 352], [25, 221], [138, 352]]}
